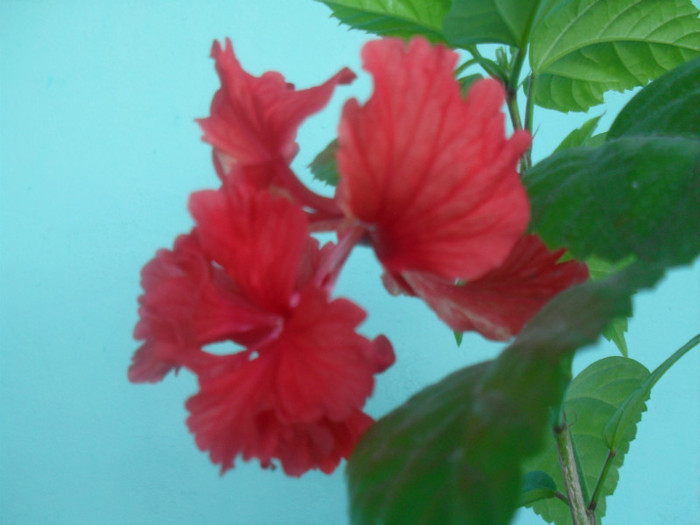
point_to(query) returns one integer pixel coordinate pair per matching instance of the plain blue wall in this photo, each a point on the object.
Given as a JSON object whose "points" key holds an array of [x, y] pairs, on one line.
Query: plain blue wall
{"points": [[98, 154]]}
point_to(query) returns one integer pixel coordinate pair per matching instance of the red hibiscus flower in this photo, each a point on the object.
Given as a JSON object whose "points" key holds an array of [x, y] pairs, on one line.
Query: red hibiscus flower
{"points": [[433, 179], [431, 175], [253, 125], [249, 273]]}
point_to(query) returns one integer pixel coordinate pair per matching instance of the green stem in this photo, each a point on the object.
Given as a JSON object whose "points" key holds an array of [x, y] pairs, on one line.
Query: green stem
{"points": [[601, 479], [572, 479], [561, 496], [514, 79], [529, 108], [488, 65]]}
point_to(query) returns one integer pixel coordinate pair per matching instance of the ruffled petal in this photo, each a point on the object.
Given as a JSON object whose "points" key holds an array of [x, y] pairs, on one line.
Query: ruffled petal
{"points": [[186, 304], [433, 176], [254, 120], [258, 239], [325, 368], [237, 414], [500, 303]]}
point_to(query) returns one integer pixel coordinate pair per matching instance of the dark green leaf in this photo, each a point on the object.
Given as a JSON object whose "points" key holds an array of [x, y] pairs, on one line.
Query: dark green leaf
{"points": [[669, 106], [324, 167], [537, 485], [593, 396], [632, 196], [452, 453], [404, 18], [630, 411], [458, 337], [583, 48], [490, 21], [578, 137]]}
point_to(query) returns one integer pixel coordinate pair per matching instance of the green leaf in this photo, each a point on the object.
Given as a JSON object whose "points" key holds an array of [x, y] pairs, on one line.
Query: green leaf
{"points": [[452, 453], [490, 21], [669, 106], [630, 411], [466, 82], [583, 48], [615, 331], [404, 18], [537, 485], [578, 137], [593, 396], [596, 140], [632, 196], [324, 167], [458, 337]]}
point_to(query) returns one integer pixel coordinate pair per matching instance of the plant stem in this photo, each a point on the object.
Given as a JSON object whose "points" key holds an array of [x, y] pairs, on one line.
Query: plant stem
{"points": [[489, 66], [572, 478], [529, 108], [601, 479]]}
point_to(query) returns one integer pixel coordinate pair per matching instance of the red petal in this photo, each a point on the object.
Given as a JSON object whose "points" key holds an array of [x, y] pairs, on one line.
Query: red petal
{"points": [[432, 175], [255, 119], [325, 368], [258, 239], [187, 304], [236, 414], [500, 303]]}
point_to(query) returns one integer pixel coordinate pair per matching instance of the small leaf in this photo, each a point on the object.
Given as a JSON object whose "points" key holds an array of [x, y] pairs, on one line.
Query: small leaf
{"points": [[596, 140], [404, 18], [458, 337], [615, 331], [466, 82], [324, 167], [579, 136], [537, 485], [583, 48], [593, 396], [631, 409], [490, 21], [452, 453]]}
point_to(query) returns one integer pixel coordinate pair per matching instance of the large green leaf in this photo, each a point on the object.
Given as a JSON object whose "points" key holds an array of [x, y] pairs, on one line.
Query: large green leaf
{"points": [[404, 18], [490, 21], [592, 398], [583, 48], [669, 106], [452, 453], [631, 410], [632, 196], [603, 404]]}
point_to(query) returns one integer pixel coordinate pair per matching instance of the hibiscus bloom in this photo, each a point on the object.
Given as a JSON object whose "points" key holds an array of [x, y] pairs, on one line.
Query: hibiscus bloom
{"points": [[250, 274], [433, 179], [254, 121], [432, 176]]}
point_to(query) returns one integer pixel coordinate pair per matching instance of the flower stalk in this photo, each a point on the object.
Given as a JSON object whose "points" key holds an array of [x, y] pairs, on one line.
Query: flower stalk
{"points": [[575, 488]]}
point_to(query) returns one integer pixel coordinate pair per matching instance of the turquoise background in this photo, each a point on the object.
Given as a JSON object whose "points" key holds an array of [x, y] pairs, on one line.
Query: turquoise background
{"points": [[99, 153]]}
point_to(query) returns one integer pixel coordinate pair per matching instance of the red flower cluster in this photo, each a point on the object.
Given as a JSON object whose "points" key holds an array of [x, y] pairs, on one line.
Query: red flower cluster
{"points": [[427, 178]]}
